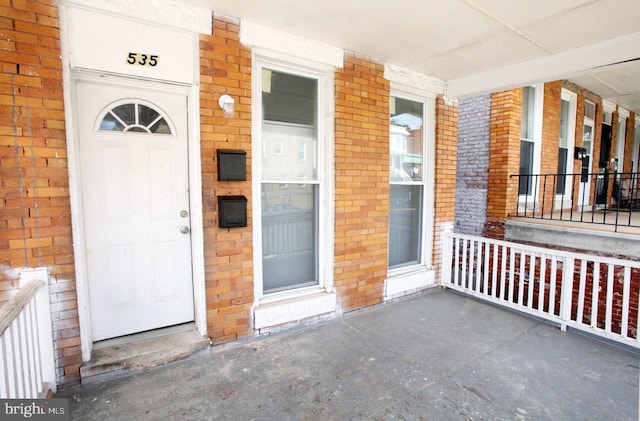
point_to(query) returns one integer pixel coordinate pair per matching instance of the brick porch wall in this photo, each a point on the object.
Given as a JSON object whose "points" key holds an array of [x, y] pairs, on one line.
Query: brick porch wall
{"points": [[504, 159], [446, 153], [473, 164], [362, 181], [35, 214], [225, 68]]}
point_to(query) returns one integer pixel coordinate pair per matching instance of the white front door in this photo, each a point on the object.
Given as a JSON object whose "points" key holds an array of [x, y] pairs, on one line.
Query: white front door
{"points": [[135, 204]]}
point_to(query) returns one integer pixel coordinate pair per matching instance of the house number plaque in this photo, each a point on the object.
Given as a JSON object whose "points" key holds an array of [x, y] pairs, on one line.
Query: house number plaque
{"points": [[141, 59]]}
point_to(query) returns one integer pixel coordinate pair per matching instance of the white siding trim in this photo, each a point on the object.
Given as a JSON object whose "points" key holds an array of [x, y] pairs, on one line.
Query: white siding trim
{"points": [[254, 35], [417, 82], [171, 14]]}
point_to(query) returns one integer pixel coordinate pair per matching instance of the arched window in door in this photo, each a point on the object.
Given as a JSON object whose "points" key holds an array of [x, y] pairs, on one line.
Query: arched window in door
{"points": [[133, 116]]}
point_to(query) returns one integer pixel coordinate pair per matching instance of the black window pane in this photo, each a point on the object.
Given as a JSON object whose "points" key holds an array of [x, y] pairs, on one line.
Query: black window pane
{"points": [[526, 167], [126, 113], [146, 115], [109, 122]]}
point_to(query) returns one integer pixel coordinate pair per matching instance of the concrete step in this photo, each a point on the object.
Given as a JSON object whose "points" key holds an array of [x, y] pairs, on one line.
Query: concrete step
{"points": [[123, 356]]}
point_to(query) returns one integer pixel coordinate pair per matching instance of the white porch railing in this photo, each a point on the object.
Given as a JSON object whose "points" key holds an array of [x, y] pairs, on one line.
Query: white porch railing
{"points": [[595, 294], [27, 367]]}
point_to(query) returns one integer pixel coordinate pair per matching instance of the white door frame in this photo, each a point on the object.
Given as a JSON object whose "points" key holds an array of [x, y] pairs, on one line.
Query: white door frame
{"points": [[75, 192]]}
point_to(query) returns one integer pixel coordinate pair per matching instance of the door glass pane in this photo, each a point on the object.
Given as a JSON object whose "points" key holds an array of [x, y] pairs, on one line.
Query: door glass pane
{"points": [[289, 236], [405, 225]]}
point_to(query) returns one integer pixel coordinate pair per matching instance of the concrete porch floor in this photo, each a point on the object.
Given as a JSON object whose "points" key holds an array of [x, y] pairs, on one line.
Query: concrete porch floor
{"points": [[435, 356]]}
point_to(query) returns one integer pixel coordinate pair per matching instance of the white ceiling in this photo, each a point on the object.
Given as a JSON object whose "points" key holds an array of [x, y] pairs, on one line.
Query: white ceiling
{"points": [[476, 46]]}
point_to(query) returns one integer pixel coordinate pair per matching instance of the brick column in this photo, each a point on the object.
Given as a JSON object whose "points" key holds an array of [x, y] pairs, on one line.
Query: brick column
{"points": [[225, 68], [446, 152], [362, 182], [504, 159]]}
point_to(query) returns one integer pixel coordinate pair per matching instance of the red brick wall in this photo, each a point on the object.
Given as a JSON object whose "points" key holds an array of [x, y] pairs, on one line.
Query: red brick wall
{"points": [[550, 143], [628, 146], [35, 216], [504, 154], [225, 68], [362, 181], [446, 152]]}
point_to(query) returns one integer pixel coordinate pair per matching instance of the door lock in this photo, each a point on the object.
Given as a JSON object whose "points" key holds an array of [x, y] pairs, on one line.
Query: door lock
{"points": [[184, 229], [184, 213]]}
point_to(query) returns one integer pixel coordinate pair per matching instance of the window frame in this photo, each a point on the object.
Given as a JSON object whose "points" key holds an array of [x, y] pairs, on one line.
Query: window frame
{"points": [[572, 99], [324, 74], [425, 261]]}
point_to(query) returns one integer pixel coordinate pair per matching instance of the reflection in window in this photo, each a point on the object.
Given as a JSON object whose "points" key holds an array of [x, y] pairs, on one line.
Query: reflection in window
{"points": [[134, 117], [406, 173]]}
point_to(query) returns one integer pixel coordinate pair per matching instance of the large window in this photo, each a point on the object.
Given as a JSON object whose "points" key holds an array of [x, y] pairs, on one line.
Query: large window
{"points": [[527, 140], [290, 180], [407, 178], [568, 105]]}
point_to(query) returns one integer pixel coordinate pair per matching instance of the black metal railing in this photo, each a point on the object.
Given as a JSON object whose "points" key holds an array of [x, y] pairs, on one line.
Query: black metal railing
{"points": [[605, 197]]}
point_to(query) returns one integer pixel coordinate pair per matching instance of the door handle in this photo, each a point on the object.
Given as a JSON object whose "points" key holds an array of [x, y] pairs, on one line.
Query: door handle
{"points": [[184, 229]]}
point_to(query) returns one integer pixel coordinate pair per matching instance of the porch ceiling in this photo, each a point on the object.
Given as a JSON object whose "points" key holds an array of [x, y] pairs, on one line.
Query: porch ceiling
{"points": [[476, 46]]}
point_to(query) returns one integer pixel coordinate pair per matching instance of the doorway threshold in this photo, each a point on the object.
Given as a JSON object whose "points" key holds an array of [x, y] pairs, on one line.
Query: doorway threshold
{"points": [[126, 355]]}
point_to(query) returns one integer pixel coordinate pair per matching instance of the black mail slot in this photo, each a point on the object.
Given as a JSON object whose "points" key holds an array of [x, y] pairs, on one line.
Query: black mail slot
{"points": [[232, 211]]}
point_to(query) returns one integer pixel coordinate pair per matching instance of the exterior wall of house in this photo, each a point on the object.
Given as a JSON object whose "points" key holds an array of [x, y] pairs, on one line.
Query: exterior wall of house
{"points": [[504, 149], [225, 68], [35, 214], [446, 153], [362, 181], [504, 159], [35, 209], [472, 175]]}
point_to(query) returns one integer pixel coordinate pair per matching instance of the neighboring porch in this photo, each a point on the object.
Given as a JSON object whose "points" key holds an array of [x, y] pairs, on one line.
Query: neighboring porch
{"points": [[604, 201], [601, 216], [437, 355]]}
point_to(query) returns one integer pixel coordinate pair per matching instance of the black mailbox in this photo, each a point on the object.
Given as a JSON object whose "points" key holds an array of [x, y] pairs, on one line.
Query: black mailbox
{"points": [[580, 153], [232, 165], [232, 211]]}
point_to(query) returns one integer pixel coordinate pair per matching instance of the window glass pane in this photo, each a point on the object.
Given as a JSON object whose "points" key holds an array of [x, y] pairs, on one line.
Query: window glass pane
{"points": [[406, 140], [563, 154], [289, 236], [109, 122], [405, 216], [526, 167], [161, 127], [282, 144], [590, 110], [528, 112], [587, 137], [146, 115], [289, 105], [126, 113], [564, 124]]}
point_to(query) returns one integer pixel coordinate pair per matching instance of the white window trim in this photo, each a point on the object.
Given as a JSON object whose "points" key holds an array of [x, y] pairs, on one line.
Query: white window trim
{"points": [[537, 144], [572, 98], [622, 137], [296, 304], [585, 187], [408, 279]]}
